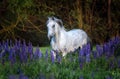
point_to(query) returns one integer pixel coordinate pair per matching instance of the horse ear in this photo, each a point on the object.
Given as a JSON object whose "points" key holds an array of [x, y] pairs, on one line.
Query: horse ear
{"points": [[59, 21], [51, 18]]}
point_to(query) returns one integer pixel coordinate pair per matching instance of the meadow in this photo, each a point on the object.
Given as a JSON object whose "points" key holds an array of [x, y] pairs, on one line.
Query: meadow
{"points": [[21, 60]]}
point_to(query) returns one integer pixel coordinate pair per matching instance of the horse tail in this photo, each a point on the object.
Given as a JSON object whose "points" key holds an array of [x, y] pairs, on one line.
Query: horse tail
{"points": [[89, 40]]}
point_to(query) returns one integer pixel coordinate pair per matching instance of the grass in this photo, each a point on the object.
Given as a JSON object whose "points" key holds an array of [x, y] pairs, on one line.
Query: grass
{"points": [[43, 49]]}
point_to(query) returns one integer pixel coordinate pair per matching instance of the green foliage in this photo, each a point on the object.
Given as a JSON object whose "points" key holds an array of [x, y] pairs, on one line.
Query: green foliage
{"points": [[18, 5]]}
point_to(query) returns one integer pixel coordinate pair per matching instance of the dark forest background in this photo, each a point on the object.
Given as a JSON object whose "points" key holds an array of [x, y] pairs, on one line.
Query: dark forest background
{"points": [[26, 19]]}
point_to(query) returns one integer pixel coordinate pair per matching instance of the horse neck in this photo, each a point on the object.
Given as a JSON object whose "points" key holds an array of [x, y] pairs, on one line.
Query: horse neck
{"points": [[58, 35]]}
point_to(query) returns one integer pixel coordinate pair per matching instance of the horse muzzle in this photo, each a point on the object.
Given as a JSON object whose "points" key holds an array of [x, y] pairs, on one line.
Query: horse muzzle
{"points": [[50, 37]]}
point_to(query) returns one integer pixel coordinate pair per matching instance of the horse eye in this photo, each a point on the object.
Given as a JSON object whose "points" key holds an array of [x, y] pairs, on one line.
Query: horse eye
{"points": [[53, 26]]}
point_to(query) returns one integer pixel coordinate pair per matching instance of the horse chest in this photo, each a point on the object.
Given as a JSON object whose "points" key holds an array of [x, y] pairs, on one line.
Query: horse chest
{"points": [[62, 41]]}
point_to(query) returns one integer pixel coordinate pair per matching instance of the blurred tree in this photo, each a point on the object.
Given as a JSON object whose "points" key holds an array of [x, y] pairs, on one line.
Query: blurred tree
{"points": [[26, 19], [109, 18]]}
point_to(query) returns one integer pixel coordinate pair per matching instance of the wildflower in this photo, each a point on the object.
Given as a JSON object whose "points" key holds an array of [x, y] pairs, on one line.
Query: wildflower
{"points": [[109, 77], [59, 59], [22, 76], [30, 50], [88, 53], [52, 56], [37, 53], [81, 77], [12, 77], [11, 56], [2, 54], [99, 50], [81, 52], [88, 58], [46, 54], [95, 54], [81, 65], [23, 54]]}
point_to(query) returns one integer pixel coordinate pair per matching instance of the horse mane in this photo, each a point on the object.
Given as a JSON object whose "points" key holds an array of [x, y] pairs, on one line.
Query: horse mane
{"points": [[58, 21]]}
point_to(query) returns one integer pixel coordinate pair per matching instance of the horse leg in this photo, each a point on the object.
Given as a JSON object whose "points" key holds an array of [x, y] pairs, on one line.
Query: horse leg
{"points": [[78, 50], [80, 47]]}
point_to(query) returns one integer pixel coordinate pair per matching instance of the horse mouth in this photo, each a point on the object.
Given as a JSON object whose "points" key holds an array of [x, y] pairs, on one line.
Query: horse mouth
{"points": [[50, 37]]}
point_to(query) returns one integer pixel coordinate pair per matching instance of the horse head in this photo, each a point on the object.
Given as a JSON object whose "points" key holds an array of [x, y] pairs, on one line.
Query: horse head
{"points": [[53, 26]]}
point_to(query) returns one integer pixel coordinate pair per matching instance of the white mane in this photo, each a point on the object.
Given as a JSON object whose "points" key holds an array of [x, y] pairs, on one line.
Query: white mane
{"points": [[62, 40]]}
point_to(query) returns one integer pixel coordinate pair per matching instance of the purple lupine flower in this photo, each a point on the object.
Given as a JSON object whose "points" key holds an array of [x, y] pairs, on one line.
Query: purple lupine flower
{"points": [[112, 50], [37, 53], [24, 52], [17, 46], [7, 45], [30, 50], [3, 44], [46, 55], [109, 77], [99, 50], [0, 44], [81, 66], [0, 47], [22, 76], [88, 58], [81, 77], [116, 40], [12, 77], [81, 52], [52, 56], [107, 50], [19, 43], [81, 59], [59, 59], [56, 52], [21, 56], [105, 47], [110, 46], [12, 56], [2, 54], [95, 54], [88, 51]]}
